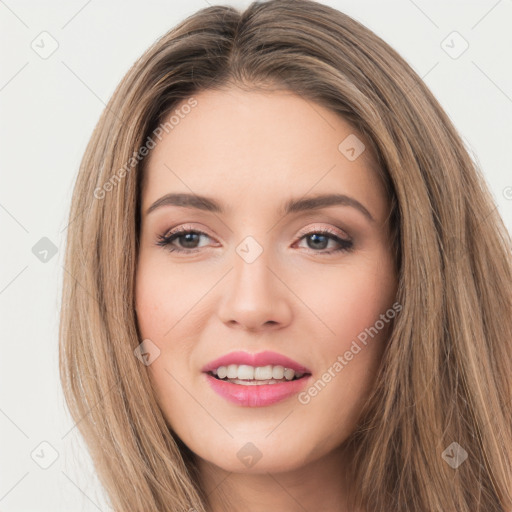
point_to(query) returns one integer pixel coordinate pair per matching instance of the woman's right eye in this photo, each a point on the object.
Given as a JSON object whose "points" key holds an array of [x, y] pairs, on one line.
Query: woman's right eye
{"points": [[187, 235]]}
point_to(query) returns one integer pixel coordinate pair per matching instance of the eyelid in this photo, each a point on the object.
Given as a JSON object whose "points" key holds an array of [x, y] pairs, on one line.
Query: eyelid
{"points": [[318, 227], [184, 227], [304, 231], [337, 234]]}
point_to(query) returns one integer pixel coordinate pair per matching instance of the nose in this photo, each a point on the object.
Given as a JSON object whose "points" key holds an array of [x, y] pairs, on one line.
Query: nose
{"points": [[255, 297]]}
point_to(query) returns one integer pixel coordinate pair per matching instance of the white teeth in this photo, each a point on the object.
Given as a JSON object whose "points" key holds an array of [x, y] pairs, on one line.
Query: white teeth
{"points": [[263, 372], [259, 373], [289, 374], [245, 372], [232, 371], [254, 382], [277, 372]]}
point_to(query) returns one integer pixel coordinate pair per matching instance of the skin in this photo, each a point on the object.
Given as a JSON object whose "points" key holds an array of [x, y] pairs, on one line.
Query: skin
{"points": [[252, 151]]}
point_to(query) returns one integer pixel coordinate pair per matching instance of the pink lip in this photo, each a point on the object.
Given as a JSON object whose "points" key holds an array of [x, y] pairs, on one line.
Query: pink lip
{"points": [[256, 395], [259, 359]]}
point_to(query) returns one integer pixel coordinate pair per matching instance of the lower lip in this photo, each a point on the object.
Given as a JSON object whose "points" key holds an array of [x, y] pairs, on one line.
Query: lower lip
{"points": [[256, 395]]}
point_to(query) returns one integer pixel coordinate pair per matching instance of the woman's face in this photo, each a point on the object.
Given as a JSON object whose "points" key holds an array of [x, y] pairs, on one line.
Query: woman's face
{"points": [[257, 273]]}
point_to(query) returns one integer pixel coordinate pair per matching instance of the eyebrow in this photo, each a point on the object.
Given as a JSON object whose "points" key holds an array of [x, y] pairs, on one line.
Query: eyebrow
{"points": [[291, 206]]}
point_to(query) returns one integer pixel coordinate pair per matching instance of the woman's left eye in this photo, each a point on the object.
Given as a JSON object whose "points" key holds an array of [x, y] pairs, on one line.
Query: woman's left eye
{"points": [[322, 238], [189, 239]]}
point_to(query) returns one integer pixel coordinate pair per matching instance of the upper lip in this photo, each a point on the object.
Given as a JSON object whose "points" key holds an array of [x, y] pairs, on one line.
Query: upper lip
{"points": [[259, 359]]}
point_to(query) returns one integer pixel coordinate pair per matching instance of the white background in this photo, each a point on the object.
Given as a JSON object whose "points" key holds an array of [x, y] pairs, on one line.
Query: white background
{"points": [[48, 109]]}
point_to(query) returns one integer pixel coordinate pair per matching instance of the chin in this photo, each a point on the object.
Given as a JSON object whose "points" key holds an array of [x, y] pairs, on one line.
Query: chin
{"points": [[258, 456]]}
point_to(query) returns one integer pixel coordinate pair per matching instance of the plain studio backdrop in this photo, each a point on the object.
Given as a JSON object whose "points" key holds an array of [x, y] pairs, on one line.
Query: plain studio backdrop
{"points": [[61, 61]]}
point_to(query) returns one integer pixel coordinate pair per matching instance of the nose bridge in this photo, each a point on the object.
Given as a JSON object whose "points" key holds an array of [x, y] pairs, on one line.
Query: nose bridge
{"points": [[253, 294], [251, 280], [251, 267]]}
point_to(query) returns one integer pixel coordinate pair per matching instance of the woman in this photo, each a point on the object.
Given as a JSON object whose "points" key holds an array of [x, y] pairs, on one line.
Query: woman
{"points": [[290, 286]]}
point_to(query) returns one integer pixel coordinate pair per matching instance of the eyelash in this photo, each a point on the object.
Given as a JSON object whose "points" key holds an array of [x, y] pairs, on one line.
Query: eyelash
{"points": [[166, 240]]}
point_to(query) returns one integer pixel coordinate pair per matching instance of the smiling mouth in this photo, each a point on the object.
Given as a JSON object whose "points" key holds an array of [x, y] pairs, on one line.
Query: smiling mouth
{"points": [[256, 376]]}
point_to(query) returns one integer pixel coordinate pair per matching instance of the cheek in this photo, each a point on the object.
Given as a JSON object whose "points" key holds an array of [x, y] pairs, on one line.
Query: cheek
{"points": [[158, 306], [356, 304], [165, 314], [350, 299], [160, 297], [151, 314]]}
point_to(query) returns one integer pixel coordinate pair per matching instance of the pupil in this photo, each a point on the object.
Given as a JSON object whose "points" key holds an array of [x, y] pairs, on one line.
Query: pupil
{"points": [[315, 237], [188, 239]]}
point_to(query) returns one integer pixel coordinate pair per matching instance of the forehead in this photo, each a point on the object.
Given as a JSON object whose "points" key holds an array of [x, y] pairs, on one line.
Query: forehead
{"points": [[245, 146]]}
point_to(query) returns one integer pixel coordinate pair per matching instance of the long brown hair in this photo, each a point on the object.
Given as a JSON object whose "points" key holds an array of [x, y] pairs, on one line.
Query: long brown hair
{"points": [[446, 373]]}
